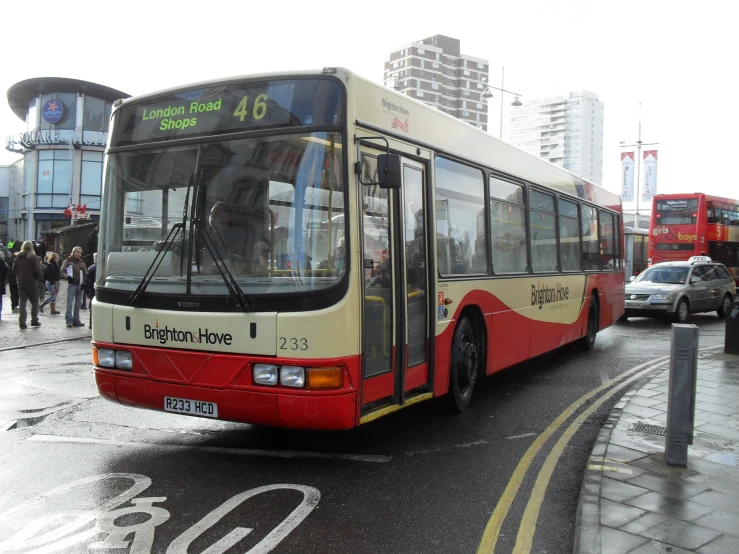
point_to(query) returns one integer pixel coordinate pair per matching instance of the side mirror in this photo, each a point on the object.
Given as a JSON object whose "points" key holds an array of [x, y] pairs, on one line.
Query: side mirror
{"points": [[694, 280], [388, 171], [632, 278]]}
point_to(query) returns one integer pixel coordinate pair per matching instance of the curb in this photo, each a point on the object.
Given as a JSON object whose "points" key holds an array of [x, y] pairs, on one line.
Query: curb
{"points": [[587, 519], [88, 337]]}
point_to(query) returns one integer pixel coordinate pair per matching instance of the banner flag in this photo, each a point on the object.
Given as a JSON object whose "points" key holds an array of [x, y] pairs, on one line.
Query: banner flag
{"points": [[627, 176], [650, 175]]}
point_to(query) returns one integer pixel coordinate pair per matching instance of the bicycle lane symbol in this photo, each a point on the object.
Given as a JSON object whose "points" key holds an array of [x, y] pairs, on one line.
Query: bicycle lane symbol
{"points": [[58, 530]]}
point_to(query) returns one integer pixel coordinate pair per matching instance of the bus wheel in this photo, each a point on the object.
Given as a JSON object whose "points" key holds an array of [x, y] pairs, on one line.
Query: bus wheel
{"points": [[682, 312], [588, 341], [725, 306], [465, 365]]}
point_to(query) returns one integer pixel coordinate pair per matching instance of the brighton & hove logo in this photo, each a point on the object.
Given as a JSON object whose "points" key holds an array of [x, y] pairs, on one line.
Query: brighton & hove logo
{"points": [[542, 294], [167, 334], [52, 111]]}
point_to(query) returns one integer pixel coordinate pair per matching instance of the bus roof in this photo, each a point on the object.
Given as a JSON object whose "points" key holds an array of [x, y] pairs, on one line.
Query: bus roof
{"points": [[434, 128], [708, 197]]}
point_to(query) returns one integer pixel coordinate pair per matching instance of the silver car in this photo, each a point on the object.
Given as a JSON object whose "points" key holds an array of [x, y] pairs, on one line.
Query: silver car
{"points": [[677, 289]]}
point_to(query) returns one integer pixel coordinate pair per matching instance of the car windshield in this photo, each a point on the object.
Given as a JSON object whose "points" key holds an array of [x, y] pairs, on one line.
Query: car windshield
{"points": [[665, 275]]}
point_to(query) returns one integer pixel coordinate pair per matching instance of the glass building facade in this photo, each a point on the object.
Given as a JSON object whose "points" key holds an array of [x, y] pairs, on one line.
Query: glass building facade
{"points": [[63, 144]]}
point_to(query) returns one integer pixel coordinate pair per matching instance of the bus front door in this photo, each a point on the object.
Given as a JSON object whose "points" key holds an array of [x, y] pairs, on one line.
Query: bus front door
{"points": [[396, 284]]}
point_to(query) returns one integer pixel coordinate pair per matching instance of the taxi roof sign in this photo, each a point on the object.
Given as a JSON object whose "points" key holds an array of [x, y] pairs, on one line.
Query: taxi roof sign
{"points": [[694, 259]]}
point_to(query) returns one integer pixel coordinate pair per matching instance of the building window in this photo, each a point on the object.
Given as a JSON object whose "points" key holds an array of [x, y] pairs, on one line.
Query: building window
{"points": [[420, 94], [465, 113], [460, 219], [421, 52], [54, 178], [4, 211], [97, 114], [32, 115], [92, 179], [69, 108], [466, 72], [135, 202]]}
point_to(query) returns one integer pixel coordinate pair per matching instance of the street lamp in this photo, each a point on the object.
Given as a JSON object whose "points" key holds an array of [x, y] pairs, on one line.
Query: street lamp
{"points": [[487, 93], [638, 145]]}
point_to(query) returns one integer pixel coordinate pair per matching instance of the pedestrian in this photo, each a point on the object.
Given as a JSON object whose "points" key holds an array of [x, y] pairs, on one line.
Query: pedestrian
{"points": [[41, 284], [4, 252], [90, 282], [27, 271], [16, 246], [52, 275], [13, 284], [4, 271], [73, 270], [39, 247]]}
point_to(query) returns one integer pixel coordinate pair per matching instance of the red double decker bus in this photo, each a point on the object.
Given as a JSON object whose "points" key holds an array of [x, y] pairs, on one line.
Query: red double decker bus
{"points": [[685, 225]]}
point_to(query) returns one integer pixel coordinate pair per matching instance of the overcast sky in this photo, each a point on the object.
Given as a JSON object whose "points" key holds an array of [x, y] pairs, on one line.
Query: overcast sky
{"points": [[677, 58]]}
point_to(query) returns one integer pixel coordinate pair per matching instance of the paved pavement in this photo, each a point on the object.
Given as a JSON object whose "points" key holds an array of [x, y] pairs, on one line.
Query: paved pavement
{"points": [[53, 327], [632, 501]]}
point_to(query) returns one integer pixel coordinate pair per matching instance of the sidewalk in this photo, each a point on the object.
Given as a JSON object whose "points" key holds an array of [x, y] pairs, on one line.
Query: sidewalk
{"points": [[631, 501], [53, 327]]}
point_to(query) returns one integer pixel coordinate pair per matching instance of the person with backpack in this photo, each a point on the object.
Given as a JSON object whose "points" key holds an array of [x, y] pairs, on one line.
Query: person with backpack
{"points": [[52, 275], [27, 272]]}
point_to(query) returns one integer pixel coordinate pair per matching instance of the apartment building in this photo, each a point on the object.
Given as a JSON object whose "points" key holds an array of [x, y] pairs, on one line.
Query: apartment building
{"points": [[566, 130], [435, 72]]}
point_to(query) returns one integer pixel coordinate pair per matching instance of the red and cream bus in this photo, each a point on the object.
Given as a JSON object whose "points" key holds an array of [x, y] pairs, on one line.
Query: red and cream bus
{"points": [[330, 251], [685, 225]]}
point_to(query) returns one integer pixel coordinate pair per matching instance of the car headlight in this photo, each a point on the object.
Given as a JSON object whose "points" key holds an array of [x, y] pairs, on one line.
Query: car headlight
{"points": [[668, 297]]}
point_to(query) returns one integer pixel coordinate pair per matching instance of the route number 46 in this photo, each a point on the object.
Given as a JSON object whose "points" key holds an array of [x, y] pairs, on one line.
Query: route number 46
{"points": [[258, 108]]}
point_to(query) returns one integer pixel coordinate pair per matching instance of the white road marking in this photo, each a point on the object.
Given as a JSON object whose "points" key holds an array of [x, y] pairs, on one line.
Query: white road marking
{"points": [[371, 458], [311, 496], [525, 435]]}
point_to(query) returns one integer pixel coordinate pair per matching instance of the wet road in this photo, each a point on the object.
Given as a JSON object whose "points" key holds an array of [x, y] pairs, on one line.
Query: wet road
{"points": [[86, 474]]}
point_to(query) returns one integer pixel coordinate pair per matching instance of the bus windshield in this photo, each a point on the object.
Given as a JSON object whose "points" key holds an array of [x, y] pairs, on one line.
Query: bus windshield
{"points": [[271, 209], [678, 211]]}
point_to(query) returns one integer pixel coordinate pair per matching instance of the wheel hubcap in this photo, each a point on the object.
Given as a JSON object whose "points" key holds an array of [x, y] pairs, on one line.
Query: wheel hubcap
{"points": [[468, 373]]}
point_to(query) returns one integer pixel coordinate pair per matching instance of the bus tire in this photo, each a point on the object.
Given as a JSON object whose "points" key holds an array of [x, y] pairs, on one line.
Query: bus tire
{"points": [[683, 311], [588, 341], [723, 309], [465, 365]]}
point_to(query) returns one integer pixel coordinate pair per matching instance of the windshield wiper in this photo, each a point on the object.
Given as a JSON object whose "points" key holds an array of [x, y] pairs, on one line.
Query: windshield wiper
{"points": [[158, 258], [228, 278]]}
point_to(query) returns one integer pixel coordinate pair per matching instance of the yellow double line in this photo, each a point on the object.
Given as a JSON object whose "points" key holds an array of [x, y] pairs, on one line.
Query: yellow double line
{"points": [[527, 528]]}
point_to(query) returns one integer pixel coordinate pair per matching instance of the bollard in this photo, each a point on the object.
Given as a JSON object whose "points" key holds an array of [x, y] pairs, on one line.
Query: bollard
{"points": [[731, 338], [681, 393]]}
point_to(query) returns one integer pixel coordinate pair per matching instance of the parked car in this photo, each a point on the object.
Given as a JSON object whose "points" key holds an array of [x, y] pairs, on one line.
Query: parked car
{"points": [[677, 289]]}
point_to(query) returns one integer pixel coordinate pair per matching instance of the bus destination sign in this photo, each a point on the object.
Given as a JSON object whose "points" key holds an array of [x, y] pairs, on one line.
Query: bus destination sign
{"points": [[229, 109]]}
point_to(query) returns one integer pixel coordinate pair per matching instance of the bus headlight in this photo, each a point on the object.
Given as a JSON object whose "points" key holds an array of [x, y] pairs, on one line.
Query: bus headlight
{"points": [[265, 374], [292, 376], [106, 358], [123, 360]]}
